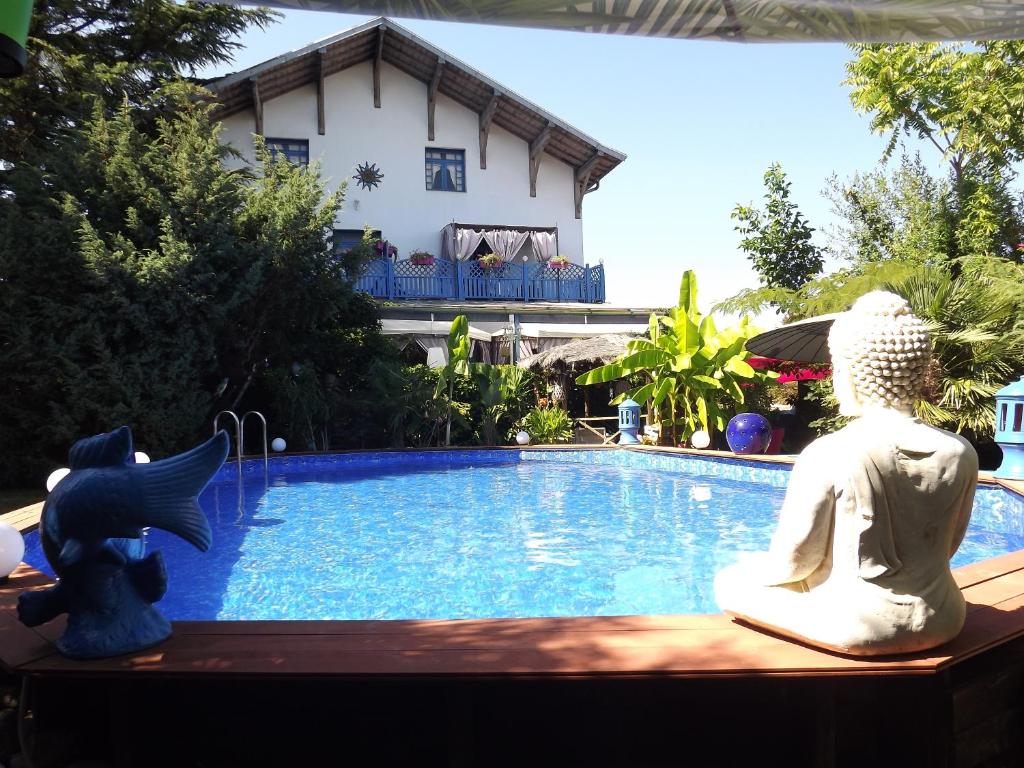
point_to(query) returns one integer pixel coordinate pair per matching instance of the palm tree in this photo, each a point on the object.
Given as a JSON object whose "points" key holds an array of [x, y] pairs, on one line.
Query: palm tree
{"points": [[975, 316]]}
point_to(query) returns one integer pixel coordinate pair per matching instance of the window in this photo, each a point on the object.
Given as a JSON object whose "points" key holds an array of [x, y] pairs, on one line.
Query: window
{"points": [[446, 170], [346, 238], [293, 150]]}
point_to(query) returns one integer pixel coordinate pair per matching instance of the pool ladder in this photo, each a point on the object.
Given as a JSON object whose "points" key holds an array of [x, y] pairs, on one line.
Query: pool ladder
{"points": [[240, 433]]}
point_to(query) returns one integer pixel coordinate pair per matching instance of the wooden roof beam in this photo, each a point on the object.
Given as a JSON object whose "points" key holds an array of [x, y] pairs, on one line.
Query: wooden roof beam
{"points": [[321, 122], [378, 61], [486, 117], [257, 104], [582, 177], [536, 147], [435, 81]]}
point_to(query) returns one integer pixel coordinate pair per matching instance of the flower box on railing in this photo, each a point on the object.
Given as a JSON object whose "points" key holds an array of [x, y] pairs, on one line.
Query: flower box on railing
{"points": [[491, 262], [559, 262], [421, 259], [385, 248]]}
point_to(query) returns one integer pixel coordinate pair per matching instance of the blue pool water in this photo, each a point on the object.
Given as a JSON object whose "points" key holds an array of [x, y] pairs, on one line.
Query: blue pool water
{"points": [[477, 534]]}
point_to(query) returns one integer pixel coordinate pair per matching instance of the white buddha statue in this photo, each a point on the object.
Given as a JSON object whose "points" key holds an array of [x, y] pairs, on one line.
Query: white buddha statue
{"points": [[873, 513]]}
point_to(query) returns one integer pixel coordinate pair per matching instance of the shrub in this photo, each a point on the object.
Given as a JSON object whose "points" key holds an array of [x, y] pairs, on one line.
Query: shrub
{"points": [[546, 426]]}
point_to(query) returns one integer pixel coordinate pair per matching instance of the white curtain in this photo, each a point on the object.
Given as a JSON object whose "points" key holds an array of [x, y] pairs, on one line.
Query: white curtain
{"points": [[543, 245], [465, 242], [484, 348], [505, 242], [436, 348]]}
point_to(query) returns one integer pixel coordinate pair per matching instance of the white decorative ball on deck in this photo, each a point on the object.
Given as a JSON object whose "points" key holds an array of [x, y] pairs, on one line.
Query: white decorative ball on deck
{"points": [[141, 458], [55, 477], [278, 444], [700, 439], [523, 437], [12, 549]]}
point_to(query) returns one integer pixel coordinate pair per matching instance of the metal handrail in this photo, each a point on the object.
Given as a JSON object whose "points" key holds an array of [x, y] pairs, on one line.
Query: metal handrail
{"points": [[238, 432], [266, 455]]}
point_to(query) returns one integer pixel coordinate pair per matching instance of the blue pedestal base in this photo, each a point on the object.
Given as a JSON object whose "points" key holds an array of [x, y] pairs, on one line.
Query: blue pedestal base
{"points": [[1012, 467]]}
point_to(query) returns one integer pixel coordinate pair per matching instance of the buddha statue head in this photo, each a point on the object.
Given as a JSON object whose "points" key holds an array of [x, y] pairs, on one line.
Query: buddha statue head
{"points": [[880, 355]]}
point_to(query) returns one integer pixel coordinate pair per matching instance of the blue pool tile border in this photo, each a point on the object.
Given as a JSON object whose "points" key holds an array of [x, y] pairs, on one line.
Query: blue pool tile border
{"points": [[776, 475]]}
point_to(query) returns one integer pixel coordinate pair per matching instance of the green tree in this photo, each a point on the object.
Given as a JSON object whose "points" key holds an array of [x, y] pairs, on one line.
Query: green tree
{"points": [[905, 215], [777, 239], [966, 99], [149, 284], [113, 51]]}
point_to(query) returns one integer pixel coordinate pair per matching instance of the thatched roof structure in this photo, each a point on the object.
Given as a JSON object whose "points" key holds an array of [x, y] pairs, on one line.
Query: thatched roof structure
{"points": [[579, 355]]}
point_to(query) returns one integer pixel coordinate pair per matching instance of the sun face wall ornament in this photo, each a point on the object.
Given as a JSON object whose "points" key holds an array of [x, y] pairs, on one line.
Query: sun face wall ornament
{"points": [[368, 175]]}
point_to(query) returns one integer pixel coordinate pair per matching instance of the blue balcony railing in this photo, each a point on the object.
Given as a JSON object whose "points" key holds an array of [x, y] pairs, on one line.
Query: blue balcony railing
{"points": [[467, 280]]}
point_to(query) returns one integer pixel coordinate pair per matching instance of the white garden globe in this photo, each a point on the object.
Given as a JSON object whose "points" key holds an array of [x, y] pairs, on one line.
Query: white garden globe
{"points": [[523, 438], [278, 444], [12, 549], [55, 477], [700, 439], [141, 458]]}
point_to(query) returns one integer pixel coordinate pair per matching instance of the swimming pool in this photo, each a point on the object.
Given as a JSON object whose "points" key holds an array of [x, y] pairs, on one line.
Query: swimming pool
{"points": [[488, 534]]}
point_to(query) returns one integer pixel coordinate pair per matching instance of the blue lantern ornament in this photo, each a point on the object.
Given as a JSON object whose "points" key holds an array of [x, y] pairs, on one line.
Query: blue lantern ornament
{"points": [[1010, 430], [629, 422], [748, 433]]}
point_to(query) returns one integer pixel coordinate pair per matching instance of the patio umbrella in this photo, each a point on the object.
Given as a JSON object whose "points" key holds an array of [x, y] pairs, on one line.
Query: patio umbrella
{"points": [[734, 20], [805, 341]]}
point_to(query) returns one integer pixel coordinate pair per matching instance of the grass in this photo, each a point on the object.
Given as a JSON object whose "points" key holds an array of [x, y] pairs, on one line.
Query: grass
{"points": [[16, 498]]}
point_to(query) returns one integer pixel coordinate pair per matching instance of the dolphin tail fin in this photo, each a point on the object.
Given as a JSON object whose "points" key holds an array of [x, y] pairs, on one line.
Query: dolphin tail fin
{"points": [[170, 488], [149, 577]]}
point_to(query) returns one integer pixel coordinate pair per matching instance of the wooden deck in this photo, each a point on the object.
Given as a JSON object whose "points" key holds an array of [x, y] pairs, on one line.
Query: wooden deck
{"points": [[711, 646]]}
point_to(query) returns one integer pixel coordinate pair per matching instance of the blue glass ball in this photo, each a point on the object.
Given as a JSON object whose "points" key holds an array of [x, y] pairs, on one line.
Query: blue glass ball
{"points": [[748, 433]]}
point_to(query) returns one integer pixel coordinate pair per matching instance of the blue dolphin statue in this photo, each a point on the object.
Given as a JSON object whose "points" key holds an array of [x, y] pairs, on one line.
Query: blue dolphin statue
{"points": [[91, 532]]}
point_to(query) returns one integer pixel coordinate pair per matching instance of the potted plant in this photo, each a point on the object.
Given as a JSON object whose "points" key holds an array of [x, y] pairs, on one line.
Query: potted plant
{"points": [[421, 258], [490, 261], [386, 248], [559, 262]]}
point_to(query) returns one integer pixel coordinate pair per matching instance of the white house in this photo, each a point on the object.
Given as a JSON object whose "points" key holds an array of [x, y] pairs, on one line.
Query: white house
{"points": [[449, 143], [440, 159]]}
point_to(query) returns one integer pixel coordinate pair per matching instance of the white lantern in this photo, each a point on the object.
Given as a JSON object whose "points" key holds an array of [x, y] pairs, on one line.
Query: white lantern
{"points": [[55, 477], [278, 444], [522, 437], [141, 458], [700, 439], [12, 549]]}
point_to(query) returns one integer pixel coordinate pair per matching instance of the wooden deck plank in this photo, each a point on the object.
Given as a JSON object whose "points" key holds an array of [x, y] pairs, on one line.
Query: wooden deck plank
{"points": [[976, 573], [24, 519], [676, 646]]}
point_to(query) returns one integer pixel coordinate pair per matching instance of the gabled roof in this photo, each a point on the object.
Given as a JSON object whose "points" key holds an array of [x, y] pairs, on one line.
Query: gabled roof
{"points": [[417, 58]]}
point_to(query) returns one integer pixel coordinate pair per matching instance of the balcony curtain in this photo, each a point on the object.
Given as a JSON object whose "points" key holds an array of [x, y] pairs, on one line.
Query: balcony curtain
{"points": [[505, 242], [543, 245], [436, 348], [483, 347], [458, 244]]}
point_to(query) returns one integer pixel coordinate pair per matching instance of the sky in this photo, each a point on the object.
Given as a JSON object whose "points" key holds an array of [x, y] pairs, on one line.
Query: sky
{"points": [[700, 122]]}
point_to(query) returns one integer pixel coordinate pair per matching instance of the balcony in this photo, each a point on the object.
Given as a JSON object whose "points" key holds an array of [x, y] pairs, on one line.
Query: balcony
{"points": [[467, 280]]}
